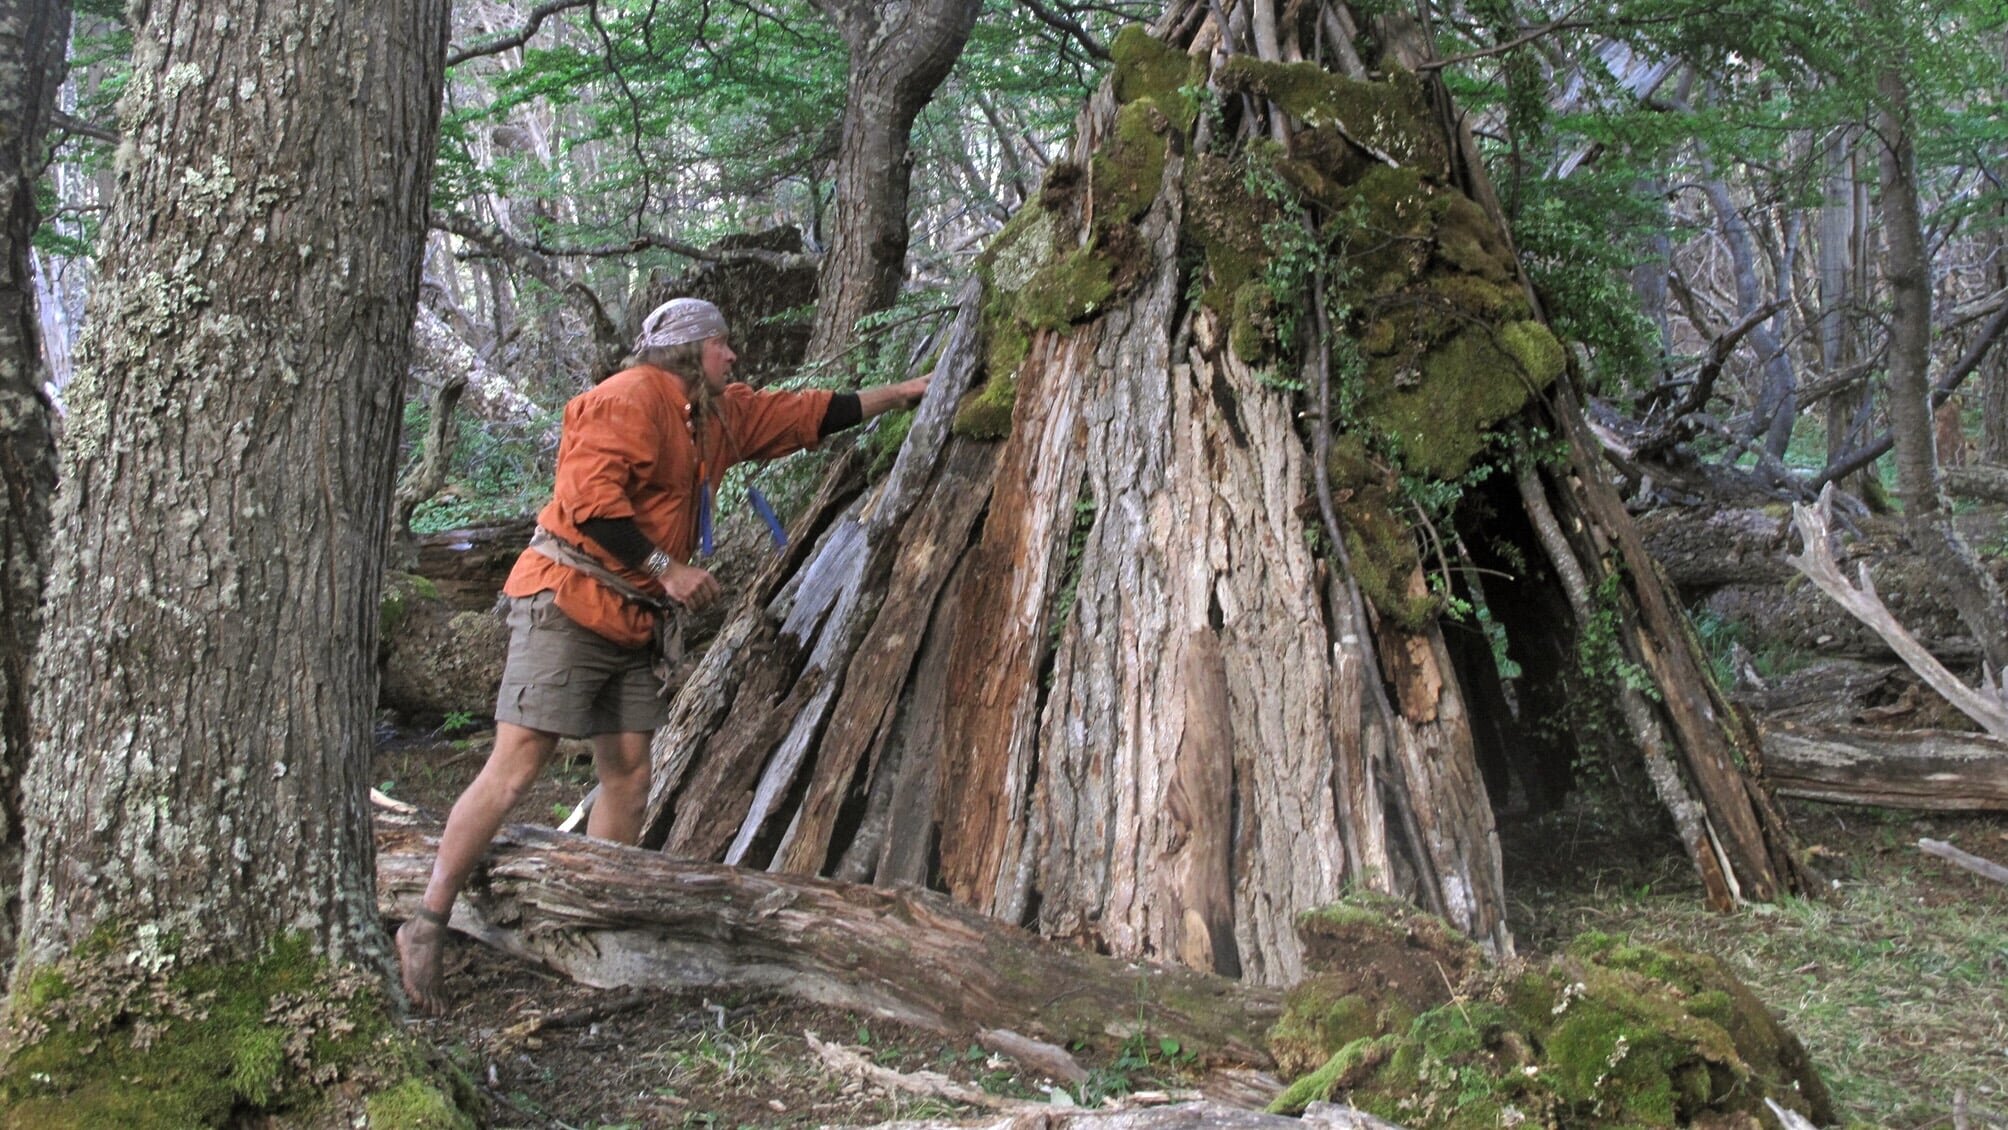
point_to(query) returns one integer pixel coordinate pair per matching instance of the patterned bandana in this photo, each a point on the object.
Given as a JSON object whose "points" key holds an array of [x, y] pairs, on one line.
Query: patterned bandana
{"points": [[678, 322]]}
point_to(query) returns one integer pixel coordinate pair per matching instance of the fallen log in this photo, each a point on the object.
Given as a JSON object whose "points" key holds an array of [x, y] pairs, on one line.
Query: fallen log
{"points": [[609, 916], [1182, 1116], [1941, 770]]}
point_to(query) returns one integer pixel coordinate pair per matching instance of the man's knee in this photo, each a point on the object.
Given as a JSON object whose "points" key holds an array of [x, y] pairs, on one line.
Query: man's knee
{"points": [[621, 759], [520, 754]]}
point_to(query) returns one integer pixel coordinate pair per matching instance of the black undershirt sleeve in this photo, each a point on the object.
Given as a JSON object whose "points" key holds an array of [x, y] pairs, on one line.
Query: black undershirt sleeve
{"points": [[620, 537], [842, 413]]}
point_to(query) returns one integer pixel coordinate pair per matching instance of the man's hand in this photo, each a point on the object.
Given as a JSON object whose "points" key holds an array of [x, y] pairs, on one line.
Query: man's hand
{"points": [[885, 398], [690, 586]]}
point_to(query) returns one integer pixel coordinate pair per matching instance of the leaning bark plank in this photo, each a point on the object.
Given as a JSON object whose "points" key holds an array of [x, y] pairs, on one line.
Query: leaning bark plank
{"points": [[606, 916], [1983, 867], [1940, 770]]}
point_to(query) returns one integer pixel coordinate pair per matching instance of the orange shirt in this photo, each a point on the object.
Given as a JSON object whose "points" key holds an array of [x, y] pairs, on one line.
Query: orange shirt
{"points": [[627, 452]]}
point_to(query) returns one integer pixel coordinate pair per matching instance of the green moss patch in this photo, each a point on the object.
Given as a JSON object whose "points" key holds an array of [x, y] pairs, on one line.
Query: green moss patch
{"points": [[1608, 1035], [1060, 262], [1150, 70], [135, 1037], [1383, 554], [1390, 117], [1438, 410], [1374, 964]]}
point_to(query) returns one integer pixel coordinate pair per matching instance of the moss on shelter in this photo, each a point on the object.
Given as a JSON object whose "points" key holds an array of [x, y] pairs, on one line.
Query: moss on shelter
{"points": [[1610, 1034]]}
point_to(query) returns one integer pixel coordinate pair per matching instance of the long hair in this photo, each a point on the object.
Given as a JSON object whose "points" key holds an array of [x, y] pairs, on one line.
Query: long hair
{"points": [[687, 362]]}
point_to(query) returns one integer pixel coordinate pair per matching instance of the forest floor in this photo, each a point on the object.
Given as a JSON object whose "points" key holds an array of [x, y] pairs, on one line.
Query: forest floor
{"points": [[1896, 979]]}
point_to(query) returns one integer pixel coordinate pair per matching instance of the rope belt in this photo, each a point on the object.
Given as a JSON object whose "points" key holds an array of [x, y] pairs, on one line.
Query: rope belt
{"points": [[667, 644]]}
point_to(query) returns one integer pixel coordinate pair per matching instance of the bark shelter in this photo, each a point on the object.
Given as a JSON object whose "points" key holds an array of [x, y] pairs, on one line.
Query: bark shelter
{"points": [[1137, 643]]}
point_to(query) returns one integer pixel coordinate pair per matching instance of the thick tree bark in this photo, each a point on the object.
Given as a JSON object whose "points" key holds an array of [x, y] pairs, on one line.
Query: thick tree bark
{"points": [[605, 915], [899, 53], [205, 707], [1908, 270], [33, 35], [1120, 675]]}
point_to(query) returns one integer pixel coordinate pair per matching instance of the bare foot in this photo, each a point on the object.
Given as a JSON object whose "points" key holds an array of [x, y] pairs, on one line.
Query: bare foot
{"points": [[419, 944]]}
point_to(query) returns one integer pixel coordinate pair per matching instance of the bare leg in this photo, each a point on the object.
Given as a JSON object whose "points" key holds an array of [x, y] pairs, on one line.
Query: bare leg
{"points": [[622, 763], [520, 754]]}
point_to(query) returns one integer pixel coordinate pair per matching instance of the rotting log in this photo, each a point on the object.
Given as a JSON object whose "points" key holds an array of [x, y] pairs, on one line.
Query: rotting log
{"points": [[1154, 649], [1939, 770], [606, 916]]}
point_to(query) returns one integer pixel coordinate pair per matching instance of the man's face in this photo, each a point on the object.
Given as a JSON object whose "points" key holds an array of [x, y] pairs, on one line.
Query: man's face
{"points": [[718, 359]]}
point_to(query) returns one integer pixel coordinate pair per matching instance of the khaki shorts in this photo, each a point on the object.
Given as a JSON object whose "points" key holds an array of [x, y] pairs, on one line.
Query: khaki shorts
{"points": [[563, 679]]}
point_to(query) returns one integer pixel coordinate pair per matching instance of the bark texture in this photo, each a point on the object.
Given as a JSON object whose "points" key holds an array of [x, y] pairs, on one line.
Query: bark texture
{"points": [[1939, 770], [204, 711], [605, 915], [33, 35], [899, 53], [1144, 651]]}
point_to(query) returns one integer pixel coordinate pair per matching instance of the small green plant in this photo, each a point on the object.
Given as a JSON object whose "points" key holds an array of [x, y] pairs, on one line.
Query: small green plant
{"points": [[1142, 1062], [455, 721]]}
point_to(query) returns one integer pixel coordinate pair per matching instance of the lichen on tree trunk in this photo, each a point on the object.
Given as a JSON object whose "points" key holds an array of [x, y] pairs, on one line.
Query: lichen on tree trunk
{"points": [[1259, 367], [206, 705]]}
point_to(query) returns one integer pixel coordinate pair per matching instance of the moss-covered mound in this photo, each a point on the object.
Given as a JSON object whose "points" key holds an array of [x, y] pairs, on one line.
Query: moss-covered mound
{"points": [[1608, 1035], [127, 1034], [1376, 964]]}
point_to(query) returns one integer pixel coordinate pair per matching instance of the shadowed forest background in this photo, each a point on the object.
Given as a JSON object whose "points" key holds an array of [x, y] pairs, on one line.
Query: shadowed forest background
{"points": [[1363, 461]]}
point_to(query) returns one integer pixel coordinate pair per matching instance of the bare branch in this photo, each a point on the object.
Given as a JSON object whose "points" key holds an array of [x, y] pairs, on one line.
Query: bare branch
{"points": [[1068, 27], [71, 124], [1968, 860], [1984, 705], [496, 46], [1941, 392], [606, 335], [780, 260]]}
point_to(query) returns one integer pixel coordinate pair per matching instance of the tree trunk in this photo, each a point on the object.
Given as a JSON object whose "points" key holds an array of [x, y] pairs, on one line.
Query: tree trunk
{"points": [[1909, 273], [1968, 586], [208, 686], [1994, 369], [1149, 649], [1773, 393], [33, 36], [898, 55], [1839, 239]]}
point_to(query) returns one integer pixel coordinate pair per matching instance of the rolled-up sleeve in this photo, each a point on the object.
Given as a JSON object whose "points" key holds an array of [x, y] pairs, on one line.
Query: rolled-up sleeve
{"points": [[767, 424], [606, 449]]}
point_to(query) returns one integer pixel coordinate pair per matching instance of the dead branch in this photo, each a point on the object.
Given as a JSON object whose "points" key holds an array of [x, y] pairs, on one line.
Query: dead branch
{"points": [[514, 39], [1986, 868], [577, 1016], [1036, 1054], [927, 1084], [1984, 705]]}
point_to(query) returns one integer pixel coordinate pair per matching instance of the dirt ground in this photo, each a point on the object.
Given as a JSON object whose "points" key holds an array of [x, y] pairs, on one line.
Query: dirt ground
{"points": [[1897, 980]]}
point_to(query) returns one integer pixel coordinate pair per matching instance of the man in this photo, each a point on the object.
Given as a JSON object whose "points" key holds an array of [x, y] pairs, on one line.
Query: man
{"points": [[609, 568]]}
